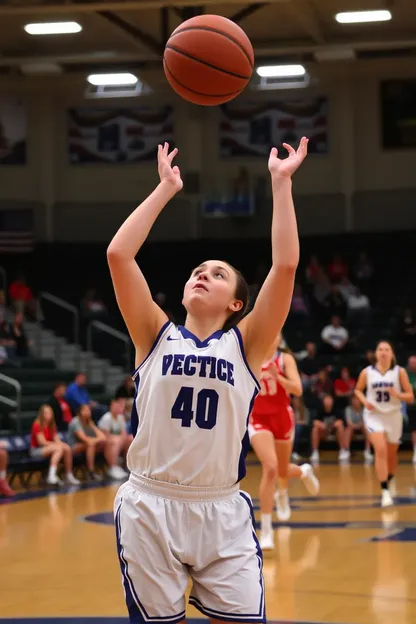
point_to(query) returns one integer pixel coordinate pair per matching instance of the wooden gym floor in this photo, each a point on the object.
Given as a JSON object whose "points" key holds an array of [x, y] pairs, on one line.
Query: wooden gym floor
{"points": [[340, 559]]}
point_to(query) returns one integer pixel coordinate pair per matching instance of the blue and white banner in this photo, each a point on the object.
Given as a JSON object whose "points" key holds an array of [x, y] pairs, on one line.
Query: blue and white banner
{"points": [[117, 135], [250, 129]]}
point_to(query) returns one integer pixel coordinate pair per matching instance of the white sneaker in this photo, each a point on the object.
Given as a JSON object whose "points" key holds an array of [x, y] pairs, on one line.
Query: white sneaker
{"points": [[72, 480], [282, 506], [393, 487], [344, 455], [368, 457], [309, 480], [315, 457], [54, 480], [296, 457], [414, 456], [266, 540], [117, 473], [386, 499]]}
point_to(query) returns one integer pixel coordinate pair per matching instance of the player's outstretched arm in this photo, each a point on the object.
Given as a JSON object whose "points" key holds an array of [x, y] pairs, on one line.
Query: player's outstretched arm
{"points": [[261, 326], [141, 314]]}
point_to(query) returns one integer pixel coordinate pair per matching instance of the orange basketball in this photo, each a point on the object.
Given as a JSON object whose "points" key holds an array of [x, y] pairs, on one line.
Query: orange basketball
{"points": [[208, 60]]}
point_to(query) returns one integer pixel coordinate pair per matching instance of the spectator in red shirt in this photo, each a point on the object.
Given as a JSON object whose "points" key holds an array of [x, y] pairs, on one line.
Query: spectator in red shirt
{"points": [[344, 387], [21, 296], [337, 269], [45, 442], [60, 407], [5, 489]]}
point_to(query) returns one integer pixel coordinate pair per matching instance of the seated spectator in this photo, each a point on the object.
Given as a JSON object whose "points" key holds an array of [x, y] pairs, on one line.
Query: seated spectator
{"points": [[346, 288], [5, 489], [85, 437], [363, 271], [355, 424], [344, 388], [334, 337], [337, 269], [299, 306], [19, 336], [7, 344], [326, 421], [113, 425], [309, 366], [322, 288], [127, 389], [77, 394], [408, 329], [323, 384], [335, 303], [411, 409], [358, 307], [313, 270], [45, 442], [91, 305], [60, 407], [21, 297]]}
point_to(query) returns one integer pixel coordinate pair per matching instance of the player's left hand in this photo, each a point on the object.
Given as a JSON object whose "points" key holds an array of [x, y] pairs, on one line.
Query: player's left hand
{"points": [[288, 166]]}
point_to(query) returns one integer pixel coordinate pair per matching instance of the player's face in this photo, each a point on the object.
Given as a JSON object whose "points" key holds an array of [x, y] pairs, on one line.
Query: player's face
{"points": [[384, 354], [211, 288]]}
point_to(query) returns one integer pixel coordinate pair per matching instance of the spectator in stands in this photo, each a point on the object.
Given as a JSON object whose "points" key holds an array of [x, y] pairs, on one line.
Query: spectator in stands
{"points": [[77, 394], [309, 365], [21, 297], [326, 421], [92, 307], [85, 437], [344, 388], [358, 308], [301, 419], [7, 344], [299, 306], [113, 425], [334, 337], [355, 424], [19, 336], [313, 270], [408, 329], [363, 271], [411, 409], [323, 385], [322, 288], [335, 303], [337, 269], [5, 489], [60, 407], [45, 442], [160, 298], [126, 390]]}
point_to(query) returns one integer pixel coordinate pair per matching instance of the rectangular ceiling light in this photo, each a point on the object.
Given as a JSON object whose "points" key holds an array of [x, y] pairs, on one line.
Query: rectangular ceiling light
{"points": [[53, 28], [280, 71], [361, 17], [99, 80]]}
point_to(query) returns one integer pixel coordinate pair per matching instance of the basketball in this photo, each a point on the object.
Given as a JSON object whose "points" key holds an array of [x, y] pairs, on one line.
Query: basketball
{"points": [[208, 60]]}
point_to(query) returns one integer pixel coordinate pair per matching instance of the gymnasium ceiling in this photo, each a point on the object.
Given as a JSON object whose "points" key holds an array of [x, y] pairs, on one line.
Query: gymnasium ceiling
{"points": [[122, 34]]}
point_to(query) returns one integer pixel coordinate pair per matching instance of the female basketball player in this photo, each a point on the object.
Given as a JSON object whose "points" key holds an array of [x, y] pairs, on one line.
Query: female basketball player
{"points": [[387, 387], [271, 431], [181, 513]]}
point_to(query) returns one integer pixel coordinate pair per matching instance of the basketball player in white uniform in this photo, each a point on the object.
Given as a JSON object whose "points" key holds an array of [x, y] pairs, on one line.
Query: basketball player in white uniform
{"points": [[387, 387], [181, 514]]}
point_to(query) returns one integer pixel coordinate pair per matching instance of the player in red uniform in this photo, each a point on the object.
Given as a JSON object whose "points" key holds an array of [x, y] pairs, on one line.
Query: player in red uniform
{"points": [[271, 430]]}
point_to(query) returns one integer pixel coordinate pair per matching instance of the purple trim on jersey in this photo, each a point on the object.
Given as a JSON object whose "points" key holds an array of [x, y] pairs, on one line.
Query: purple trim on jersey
{"points": [[134, 418], [199, 343], [137, 612], [243, 355], [154, 345], [245, 443]]}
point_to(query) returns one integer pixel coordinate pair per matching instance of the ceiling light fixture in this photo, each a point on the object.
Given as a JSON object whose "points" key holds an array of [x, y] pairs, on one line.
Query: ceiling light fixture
{"points": [[120, 80], [53, 28], [362, 17], [280, 71]]}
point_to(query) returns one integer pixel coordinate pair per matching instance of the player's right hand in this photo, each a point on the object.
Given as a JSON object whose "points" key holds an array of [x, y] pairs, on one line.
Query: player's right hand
{"points": [[167, 173], [369, 406]]}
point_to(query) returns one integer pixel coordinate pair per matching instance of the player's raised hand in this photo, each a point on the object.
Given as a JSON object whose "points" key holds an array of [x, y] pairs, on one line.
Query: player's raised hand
{"points": [[167, 173], [288, 166]]}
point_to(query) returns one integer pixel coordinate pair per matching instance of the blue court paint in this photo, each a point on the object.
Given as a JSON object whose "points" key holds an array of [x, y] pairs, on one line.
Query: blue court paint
{"points": [[28, 495], [407, 534]]}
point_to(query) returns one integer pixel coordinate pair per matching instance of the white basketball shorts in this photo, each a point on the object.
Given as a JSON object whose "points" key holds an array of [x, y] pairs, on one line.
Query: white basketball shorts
{"points": [[390, 424], [167, 533]]}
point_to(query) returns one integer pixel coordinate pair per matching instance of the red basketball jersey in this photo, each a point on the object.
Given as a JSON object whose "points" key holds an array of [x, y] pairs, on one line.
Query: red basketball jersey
{"points": [[273, 397]]}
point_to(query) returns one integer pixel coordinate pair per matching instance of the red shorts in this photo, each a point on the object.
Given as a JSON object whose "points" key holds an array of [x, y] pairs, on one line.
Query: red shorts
{"points": [[281, 424]]}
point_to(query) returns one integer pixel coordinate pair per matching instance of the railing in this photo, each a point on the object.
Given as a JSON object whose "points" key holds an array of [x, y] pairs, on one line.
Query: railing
{"points": [[61, 303], [14, 403], [3, 276], [98, 326]]}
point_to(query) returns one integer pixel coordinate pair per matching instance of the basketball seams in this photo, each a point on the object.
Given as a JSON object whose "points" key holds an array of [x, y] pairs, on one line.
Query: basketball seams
{"points": [[208, 95], [218, 32], [206, 63]]}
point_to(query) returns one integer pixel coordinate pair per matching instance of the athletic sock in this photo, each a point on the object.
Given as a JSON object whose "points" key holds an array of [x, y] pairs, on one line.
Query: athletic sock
{"points": [[52, 472], [266, 523]]}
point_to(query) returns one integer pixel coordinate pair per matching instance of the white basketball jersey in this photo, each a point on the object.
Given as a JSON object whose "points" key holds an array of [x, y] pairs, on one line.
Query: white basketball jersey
{"points": [[377, 394], [192, 404]]}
